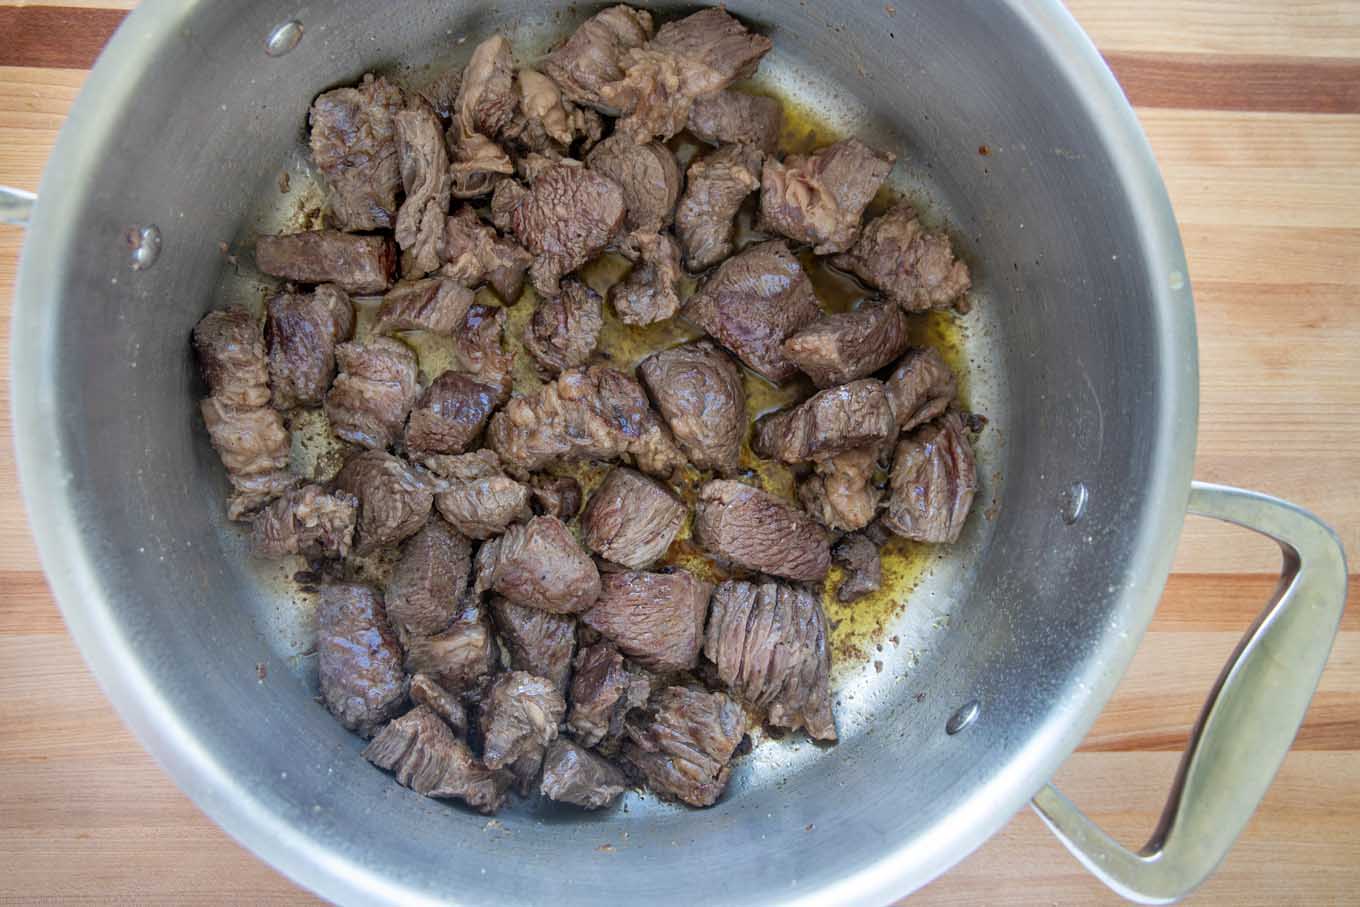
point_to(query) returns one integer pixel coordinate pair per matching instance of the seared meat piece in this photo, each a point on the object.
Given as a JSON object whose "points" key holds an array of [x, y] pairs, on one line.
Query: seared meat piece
{"points": [[545, 117], [912, 266], [593, 413], [427, 584], [374, 391], [736, 117], [650, 292], [449, 416], [476, 496], [760, 532], [698, 389], [921, 387], [558, 496], [303, 330], [519, 718], [539, 642], [648, 175], [231, 357], [541, 565], [841, 495], [362, 681], [354, 145], [307, 521], [818, 199], [435, 304], [573, 774], [485, 105], [697, 55], [565, 218], [753, 303], [715, 186], [564, 329], [828, 423], [462, 655], [631, 519], [474, 253], [769, 642], [356, 264], [394, 499], [858, 554], [603, 690], [656, 619], [478, 351], [684, 742], [427, 692], [442, 93], [591, 57], [844, 346], [425, 756], [424, 161], [932, 483]]}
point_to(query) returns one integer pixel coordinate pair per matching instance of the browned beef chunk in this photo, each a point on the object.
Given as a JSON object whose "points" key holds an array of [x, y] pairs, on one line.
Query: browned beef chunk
{"points": [[485, 105], [374, 391], [519, 718], [593, 413], [449, 416], [752, 303], [441, 93], [921, 388], [656, 619], [648, 175], [564, 329], [303, 330], [650, 292], [424, 754], [547, 121], [426, 691], [698, 389], [473, 253], [459, 657], [573, 774], [933, 480], [736, 117], [818, 199], [758, 531], [715, 186], [354, 145], [591, 57], [844, 346], [475, 495], [355, 264], [558, 496], [541, 565], [308, 521], [362, 681], [539, 642], [427, 584], [394, 499], [565, 218], [478, 350], [769, 642], [434, 304], [684, 741], [912, 266], [858, 554], [631, 519], [231, 357], [828, 423], [603, 690], [840, 494], [688, 58], [424, 161]]}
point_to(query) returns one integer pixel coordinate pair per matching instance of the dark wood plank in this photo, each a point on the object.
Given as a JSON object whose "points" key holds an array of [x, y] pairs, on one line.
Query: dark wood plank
{"points": [[56, 37], [1251, 83]]}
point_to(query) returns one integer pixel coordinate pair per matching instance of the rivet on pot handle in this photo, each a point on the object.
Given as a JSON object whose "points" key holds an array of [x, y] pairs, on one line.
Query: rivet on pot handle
{"points": [[16, 205], [1248, 722]]}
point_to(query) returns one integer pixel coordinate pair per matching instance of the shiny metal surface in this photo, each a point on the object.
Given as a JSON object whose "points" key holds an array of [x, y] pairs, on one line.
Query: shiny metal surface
{"points": [[1249, 720], [1085, 362]]}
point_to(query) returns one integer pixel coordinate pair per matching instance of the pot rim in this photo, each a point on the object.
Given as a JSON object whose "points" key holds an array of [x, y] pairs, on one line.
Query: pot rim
{"points": [[49, 486]]}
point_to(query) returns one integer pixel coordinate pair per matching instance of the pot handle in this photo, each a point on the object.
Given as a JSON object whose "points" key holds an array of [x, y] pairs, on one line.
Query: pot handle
{"points": [[1248, 723], [16, 206]]}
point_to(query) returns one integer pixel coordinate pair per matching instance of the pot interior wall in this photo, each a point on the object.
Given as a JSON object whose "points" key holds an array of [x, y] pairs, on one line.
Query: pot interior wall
{"points": [[1066, 362]]}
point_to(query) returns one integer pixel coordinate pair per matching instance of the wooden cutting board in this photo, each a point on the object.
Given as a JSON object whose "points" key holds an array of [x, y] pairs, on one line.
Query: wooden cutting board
{"points": [[1253, 109]]}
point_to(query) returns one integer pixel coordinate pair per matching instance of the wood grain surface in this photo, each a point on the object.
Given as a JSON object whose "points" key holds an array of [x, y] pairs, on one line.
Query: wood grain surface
{"points": [[1253, 110]]}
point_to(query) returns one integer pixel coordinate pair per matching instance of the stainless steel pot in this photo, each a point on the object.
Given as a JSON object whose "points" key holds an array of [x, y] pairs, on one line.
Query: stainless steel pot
{"points": [[1084, 348]]}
